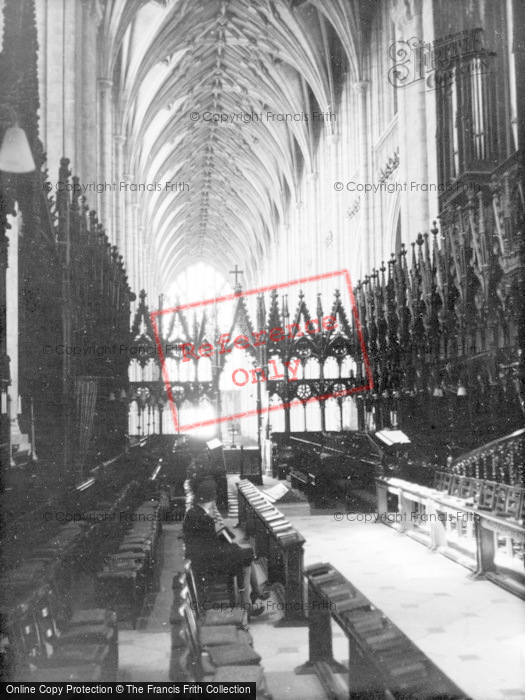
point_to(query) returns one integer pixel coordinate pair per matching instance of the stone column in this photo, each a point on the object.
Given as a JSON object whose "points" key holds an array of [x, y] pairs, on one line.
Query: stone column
{"points": [[51, 81], [120, 241], [105, 153], [132, 240], [70, 86], [16, 437], [128, 232], [87, 95], [300, 268], [283, 263], [360, 89], [430, 120], [64, 71], [407, 15], [144, 263], [137, 252], [338, 198], [41, 13], [316, 231]]}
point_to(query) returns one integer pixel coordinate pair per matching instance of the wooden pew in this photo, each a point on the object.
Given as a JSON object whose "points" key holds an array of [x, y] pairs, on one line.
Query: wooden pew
{"points": [[188, 642], [299, 480], [382, 661], [326, 467], [128, 574], [35, 649], [278, 544], [75, 550], [245, 461]]}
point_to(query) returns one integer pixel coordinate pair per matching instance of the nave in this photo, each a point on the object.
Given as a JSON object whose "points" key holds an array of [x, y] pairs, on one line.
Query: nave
{"points": [[264, 254]]}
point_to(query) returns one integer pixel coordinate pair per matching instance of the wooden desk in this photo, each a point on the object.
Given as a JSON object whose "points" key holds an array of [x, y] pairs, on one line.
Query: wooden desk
{"points": [[382, 662], [278, 543]]}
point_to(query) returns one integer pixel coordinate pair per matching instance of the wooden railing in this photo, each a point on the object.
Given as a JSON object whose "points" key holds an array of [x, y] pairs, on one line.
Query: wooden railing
{"points": [[479, 524], [500, 460]]}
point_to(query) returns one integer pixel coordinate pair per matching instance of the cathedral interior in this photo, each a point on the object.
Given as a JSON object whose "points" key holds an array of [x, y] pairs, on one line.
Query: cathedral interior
{"points": [[277, 246]]}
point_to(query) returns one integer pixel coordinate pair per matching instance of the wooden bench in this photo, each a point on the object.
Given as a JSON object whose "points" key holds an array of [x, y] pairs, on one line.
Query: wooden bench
{"points": [[128, 574], [98, 642], [212, 646], [229, 662], [34, 657], [382, 661]]}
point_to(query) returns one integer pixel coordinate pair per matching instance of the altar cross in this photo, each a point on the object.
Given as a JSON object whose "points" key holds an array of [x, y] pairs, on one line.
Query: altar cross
{"points": [[237, 273]]}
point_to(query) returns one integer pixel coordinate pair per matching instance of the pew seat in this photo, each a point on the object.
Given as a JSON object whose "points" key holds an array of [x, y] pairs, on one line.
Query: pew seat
{"points": [[214, 588], [96, 624], [90, 643], [93, 616], [193, 658], [89, 673], [214, 635], [230, 615], [37, 660], [122, 589], [230, 654]]}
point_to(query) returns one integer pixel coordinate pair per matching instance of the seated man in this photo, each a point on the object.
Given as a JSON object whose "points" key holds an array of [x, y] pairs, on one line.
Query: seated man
{"points": [[207, 465], [210, 553]]}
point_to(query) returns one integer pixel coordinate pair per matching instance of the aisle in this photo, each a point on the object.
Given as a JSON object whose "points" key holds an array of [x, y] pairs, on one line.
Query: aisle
{"points": [[145, 652]]}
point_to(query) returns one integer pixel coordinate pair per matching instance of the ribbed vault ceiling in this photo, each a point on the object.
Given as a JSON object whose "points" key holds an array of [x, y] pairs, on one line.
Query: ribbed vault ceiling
{"points": [[212, 57]]}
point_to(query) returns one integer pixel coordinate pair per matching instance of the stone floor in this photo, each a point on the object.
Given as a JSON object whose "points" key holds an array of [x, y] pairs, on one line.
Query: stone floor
{"points": [[473, 630], [144, 653]]}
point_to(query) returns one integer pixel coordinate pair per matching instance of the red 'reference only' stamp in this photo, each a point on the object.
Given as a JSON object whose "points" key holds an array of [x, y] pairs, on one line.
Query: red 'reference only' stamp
{"points": [[248, 354]]}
